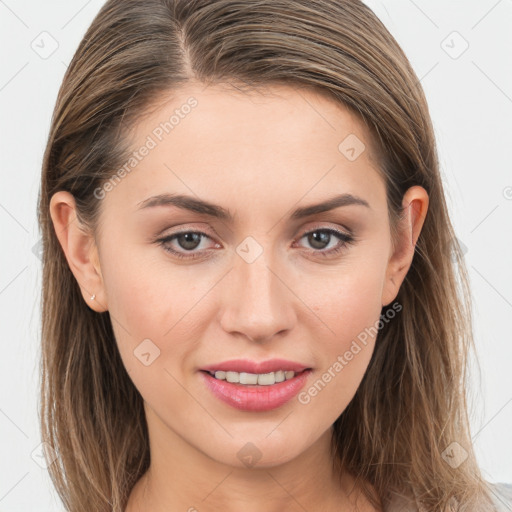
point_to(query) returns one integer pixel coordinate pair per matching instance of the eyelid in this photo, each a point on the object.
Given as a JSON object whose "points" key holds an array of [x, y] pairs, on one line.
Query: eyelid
{"points": [[166, 239], [320, 225], [325, 225], [185, 228], [346, 237]]}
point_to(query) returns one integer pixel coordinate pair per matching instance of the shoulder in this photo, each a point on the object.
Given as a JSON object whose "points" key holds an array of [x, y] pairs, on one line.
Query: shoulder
{"points": [[502, 496]]}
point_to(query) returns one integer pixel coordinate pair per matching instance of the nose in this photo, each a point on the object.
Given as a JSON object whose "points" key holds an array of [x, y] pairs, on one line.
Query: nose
{"points": [[258, 303]]}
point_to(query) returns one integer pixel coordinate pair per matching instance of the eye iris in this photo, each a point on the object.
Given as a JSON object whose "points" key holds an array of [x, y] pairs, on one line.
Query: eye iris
{"points": [[185, 239], [321, 237]]}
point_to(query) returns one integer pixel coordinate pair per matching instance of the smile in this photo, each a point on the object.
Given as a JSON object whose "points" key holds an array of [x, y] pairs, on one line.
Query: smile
{"points": [[261, 379], [255, 392]]}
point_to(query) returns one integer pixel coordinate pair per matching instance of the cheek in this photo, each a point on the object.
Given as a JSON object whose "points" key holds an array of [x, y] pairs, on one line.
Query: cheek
{"points": [[346, 303], [141, 303], [154, 309], [143, 295], [350, 305]]}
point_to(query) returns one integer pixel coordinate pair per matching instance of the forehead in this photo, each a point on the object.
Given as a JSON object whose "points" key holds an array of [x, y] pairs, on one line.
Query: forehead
{"points": [[220, 109], [229, 144]]}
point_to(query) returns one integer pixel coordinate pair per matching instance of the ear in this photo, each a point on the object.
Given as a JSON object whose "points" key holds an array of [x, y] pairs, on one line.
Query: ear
{"points": [[79, 248], [415, 204]]}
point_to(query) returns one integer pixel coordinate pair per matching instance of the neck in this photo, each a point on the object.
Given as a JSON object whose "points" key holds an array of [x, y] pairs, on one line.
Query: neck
{"points": [[183, 478]]}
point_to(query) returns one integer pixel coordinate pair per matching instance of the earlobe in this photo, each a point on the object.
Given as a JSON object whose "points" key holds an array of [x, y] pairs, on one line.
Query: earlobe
{"points": [[79, 248], [415, 207]]}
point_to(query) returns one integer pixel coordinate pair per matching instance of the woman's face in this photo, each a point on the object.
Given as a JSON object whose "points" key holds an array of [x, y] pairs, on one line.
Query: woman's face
{"points": [[241, 266]]}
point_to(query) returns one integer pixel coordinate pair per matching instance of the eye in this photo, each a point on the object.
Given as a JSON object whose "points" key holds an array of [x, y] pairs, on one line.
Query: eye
{"points": [[320, 238], [188, 241]]}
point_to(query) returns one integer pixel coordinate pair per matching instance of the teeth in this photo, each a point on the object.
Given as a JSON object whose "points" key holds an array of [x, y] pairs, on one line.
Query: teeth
{"points": [[279, 376], [262, 379]]}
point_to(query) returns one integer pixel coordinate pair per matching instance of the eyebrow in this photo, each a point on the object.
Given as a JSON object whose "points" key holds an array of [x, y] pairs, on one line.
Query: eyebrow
{"points": [[204, 207]]}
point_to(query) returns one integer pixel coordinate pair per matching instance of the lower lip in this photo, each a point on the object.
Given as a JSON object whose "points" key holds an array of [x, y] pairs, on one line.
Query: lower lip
{"points": [[254, 397]]}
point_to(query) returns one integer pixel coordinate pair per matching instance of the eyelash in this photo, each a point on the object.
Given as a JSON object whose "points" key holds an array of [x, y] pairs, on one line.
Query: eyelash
{"points": [[345, 241]]}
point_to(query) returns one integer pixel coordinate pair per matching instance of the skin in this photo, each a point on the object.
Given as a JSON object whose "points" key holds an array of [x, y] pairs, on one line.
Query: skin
{"points": [[260, 156]]}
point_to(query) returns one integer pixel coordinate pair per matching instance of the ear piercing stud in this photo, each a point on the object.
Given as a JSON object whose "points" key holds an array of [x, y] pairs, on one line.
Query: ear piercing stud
{"points": [[92, 298]]}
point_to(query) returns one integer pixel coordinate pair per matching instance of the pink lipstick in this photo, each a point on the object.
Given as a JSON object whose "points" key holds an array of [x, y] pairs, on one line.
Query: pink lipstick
{"points": [[255, 386]]}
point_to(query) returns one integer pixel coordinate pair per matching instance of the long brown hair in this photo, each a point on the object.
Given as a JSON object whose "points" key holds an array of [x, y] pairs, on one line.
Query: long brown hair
{"points": [[411, 405]]}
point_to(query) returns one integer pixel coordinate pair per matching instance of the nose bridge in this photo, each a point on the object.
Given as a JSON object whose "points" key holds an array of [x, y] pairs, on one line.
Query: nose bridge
{"points": [[259, 304]]}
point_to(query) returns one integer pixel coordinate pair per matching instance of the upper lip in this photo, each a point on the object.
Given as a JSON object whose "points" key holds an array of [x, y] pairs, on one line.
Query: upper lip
{"points": [[248, 366]]}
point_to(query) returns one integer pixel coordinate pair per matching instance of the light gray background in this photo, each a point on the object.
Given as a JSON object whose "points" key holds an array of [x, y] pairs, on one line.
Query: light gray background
{"points": [[470, 98]]}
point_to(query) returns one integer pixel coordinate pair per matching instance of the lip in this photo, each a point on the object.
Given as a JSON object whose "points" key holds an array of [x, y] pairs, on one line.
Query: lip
{"points": [[248, 366], [254, 398]]}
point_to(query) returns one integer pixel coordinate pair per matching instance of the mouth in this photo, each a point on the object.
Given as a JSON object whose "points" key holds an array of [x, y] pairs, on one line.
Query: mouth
{"points": [[254, 379], [255, 392]]}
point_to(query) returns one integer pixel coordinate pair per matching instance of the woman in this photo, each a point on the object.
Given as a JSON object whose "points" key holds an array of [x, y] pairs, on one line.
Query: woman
{"points": [[250, 293]]}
